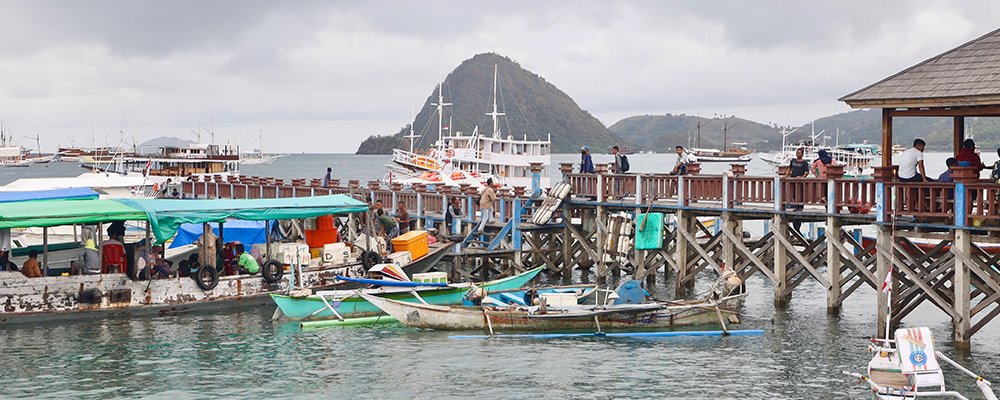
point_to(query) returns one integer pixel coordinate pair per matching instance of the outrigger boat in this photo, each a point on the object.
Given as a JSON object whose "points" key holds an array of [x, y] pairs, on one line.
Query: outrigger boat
{"points": [[117, 294], [343, 304], [620, 315]]}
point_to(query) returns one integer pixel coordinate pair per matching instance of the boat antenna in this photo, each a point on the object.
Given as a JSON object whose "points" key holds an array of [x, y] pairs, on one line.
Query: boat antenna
{"points": [[440, 104], [495, 114]]}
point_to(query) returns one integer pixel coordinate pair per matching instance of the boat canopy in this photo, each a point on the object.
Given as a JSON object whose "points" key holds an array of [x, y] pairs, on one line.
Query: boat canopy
{"points": [[79, 193], [27, 214], [247, 232], [166, 215]]}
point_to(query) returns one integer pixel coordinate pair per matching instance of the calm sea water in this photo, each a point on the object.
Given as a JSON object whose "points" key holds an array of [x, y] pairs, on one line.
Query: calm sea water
{"points": [[244, 354]]}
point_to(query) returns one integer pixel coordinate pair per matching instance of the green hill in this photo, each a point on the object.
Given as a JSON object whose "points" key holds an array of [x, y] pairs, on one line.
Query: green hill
{"points": [[535, 108], [861, 125], [662, 133]]}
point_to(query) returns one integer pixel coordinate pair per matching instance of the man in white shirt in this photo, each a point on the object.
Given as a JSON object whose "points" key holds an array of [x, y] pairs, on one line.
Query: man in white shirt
{"points": [[911, 163], [683, 159]]}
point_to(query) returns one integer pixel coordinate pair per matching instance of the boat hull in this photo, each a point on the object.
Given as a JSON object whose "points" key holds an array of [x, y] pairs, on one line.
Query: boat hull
{"points": [[313, 307], [518, 318]]}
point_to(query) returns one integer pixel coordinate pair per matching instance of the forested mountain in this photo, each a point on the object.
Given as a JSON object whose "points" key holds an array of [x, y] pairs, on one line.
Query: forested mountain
{"points": [[535, 108]]}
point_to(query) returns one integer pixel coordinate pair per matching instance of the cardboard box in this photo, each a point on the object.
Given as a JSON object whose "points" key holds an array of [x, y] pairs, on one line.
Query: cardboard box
{"points": [[431, 277], [559, 299], [336, 253], [401, 258]]}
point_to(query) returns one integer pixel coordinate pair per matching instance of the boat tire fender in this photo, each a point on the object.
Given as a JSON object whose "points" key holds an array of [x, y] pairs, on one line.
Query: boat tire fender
{"points": [[272, 271], [207, 278], [370, 259]]}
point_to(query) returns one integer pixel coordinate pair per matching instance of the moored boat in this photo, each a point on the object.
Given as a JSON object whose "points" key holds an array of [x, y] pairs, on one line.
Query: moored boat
{"points": [[656, 315], [322, 304]]}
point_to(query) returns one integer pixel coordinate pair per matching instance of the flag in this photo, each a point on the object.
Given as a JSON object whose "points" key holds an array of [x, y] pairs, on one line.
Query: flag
{"points": [[887, 285]]}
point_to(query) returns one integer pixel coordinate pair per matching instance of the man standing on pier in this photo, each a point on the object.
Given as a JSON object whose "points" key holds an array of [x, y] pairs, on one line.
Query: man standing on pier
{"points": [[327, 178], [486, 201], [586, 163]]}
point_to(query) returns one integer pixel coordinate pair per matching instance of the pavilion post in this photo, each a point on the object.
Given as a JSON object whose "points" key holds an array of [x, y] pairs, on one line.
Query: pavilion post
{"points": [[887, 137], [959, 134]]}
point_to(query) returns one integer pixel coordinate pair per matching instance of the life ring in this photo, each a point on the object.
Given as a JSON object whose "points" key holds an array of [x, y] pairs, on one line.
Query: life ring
{"points": [[272, 271], [206, 272]]}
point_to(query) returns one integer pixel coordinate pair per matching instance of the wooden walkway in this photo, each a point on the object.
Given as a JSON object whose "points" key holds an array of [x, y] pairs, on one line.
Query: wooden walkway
{"points": [[939, 238]]}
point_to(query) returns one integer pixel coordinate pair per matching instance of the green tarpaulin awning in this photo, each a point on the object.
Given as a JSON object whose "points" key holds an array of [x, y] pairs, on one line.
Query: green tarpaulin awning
{"points": [[29, 214], [166, 215]]}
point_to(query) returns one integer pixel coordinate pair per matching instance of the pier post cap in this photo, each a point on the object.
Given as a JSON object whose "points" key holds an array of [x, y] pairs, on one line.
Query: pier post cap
{"points": [[354, 183], [396, 186], [334, 182], [566, 168], [299, 182], [194, 178], [784, 170], [518, 191], [503, 192], [885, 174], [279, 182], [537, 167], [470, 190], [419, 187], [964, 174], [738, 169], [601, 168], [834, 171], [694, 168], [374, 185]]}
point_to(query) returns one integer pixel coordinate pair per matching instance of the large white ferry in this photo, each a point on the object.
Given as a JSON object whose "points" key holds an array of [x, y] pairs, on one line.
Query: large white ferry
{"points": [[456, 158], [177, 162]]}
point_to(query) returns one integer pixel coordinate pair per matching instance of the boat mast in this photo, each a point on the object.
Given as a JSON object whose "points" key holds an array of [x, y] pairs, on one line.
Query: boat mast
{"points": [[725, 133], [440, 109], [412, 135], [495, 114]]}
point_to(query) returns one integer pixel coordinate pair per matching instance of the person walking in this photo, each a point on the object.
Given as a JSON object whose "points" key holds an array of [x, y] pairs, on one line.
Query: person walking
{"points": [[486, 200], [327, 178], [586, 163], [797, 168], [616, 167]]}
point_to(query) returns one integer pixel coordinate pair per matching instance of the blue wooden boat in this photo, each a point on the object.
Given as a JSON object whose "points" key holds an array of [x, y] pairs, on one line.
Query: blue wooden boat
{"points": [[349, 305]]}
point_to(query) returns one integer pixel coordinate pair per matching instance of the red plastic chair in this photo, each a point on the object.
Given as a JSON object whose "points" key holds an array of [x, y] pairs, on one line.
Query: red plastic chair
{"points": [[112, 258]]}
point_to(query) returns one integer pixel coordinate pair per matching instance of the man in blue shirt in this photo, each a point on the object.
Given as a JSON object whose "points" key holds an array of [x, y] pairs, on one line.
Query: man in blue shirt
{"points": [[586, 163], [946, 175]]}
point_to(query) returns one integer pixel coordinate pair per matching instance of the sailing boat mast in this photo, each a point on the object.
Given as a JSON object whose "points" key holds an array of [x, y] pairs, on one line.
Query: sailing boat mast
{"points": [[412, 135], [495, 114], [440, 109]]}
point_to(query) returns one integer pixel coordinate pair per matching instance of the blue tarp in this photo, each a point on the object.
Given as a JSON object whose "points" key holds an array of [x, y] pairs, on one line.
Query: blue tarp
{"points": [[246, 232], [52, 194]]}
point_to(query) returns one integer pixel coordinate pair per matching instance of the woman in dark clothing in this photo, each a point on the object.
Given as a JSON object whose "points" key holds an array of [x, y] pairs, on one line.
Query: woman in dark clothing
{"points": [[798, 168]]}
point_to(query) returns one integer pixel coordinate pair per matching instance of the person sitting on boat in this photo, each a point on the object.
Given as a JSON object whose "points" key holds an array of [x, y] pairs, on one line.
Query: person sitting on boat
{"points": [[247, 264], [89, 261], [5, 263], [967, 157], [819, 166], [455, 216], [586, 162], [158, 267], [683, 159], [31, 268]]}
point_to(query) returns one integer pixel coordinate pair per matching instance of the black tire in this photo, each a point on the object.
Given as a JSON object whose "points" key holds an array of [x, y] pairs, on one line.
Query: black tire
{"points": [[369, 259], [272, 271], [206, 278]]}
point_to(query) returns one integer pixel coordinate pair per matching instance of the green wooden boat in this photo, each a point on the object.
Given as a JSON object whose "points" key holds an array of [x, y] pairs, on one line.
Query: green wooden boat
{"points": [[349, 305]]}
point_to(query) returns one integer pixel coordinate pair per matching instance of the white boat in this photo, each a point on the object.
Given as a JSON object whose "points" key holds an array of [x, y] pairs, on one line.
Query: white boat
{"points": [[108, 185], [177, 162], [908, 368], [505, 158], [257, 156], [857, 159]]}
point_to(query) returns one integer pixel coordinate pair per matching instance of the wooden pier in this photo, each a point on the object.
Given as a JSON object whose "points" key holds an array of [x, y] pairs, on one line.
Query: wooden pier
{"points": [[925, 231]]}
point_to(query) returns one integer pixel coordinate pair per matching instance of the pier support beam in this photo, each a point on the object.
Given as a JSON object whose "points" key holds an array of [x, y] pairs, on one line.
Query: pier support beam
{"points": [[781, 293], [682, 252], [883, 239], [963, 287], [834, 265], [734, 226]]}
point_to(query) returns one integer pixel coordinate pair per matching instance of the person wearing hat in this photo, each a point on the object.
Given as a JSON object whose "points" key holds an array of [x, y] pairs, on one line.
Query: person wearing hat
{"points": [[5, 263], [586, 163], [89, 261]]}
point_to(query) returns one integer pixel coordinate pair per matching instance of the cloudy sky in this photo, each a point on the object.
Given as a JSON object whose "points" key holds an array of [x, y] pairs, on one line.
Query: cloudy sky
{"points": [[321, 76]]}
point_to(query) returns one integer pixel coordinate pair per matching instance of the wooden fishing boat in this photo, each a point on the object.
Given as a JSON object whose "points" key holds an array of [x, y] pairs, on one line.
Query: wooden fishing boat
{"points": [[662, 314], [322, 304]]}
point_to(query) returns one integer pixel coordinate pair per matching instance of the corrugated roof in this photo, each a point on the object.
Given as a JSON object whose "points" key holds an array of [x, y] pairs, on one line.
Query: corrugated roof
{"points": [[966, 75]]}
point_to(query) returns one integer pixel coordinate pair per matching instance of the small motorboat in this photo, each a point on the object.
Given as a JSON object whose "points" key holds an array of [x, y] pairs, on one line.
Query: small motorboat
{"points": [[908, 368]]}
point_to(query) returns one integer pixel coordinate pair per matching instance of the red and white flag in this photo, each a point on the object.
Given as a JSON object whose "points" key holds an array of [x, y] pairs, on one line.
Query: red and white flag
{"points": [[887, 285]]}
